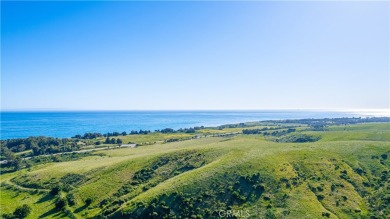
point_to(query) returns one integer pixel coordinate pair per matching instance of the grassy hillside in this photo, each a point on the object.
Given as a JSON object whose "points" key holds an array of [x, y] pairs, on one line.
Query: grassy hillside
{"points": [[343, 174]]}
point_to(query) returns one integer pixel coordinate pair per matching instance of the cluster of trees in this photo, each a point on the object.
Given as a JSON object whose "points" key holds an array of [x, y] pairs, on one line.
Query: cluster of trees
{"points": [[89, 135], [22, 144], [11, 158], [181, 130], [93, 135], [140, 132], [40, 145], [239, 125], [256, 131], [62, 192], [321, 123], [113, 141], [110, 134], [15, 163], [49, 145], [43, 146], [251, 131], [279, 133], [15, 145], [189, 130], [20, 212], [264, 131], [62, 203], [166, 130], [298, 138]]}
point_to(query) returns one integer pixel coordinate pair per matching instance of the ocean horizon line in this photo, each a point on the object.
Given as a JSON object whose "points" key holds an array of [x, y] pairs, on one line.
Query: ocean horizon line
{"points": [[193, 110]]}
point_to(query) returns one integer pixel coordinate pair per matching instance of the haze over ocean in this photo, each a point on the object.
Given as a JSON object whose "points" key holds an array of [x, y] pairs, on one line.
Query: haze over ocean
{"points": [[70, 123]]}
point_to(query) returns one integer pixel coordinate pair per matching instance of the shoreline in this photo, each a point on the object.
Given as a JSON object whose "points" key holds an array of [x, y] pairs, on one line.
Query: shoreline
{"points": [[67, 124], [222, 125]]}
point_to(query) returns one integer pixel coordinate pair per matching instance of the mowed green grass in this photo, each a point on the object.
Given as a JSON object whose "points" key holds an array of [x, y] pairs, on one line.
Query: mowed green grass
{"points": [[347, 148]]}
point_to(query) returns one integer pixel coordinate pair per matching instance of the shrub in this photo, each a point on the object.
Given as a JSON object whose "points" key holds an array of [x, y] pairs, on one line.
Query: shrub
{"points": [[142, 175], [269, 214], [333, 187], [61, 203], [8, 216], [69, 213], [251, 131], [298, 138], [360, 171], [55, 190], [72, 179], [88, 201], [22, 211], [71, 200], [320, 197]]}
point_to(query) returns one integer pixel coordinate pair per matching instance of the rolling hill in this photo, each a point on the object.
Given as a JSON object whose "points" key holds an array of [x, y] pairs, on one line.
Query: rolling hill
{"points": [[343, 172]]}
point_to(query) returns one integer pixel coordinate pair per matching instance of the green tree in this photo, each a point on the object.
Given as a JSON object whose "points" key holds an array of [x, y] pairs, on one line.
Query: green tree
{"points": [[55, 190], [7, 153], [22, 211], [61, 203], [17, 163], [113, 141], [88, 201]]}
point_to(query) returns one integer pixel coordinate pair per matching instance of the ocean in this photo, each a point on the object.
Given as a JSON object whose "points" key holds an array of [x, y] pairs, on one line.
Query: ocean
{"points": [[70, 123]]}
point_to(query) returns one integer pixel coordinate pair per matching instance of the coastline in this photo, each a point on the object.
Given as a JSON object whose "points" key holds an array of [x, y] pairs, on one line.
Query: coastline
{"points": [[70, 123]]}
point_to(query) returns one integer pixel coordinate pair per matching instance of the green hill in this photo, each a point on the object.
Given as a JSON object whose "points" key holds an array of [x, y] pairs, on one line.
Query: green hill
{"points": [[342, 171]]}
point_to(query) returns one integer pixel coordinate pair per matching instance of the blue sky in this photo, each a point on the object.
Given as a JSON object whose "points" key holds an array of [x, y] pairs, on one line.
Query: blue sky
{"points": [[194, 55]]}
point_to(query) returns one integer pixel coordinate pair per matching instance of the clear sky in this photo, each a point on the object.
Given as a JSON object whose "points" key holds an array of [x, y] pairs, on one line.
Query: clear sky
{"points": [[194, 55]]}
